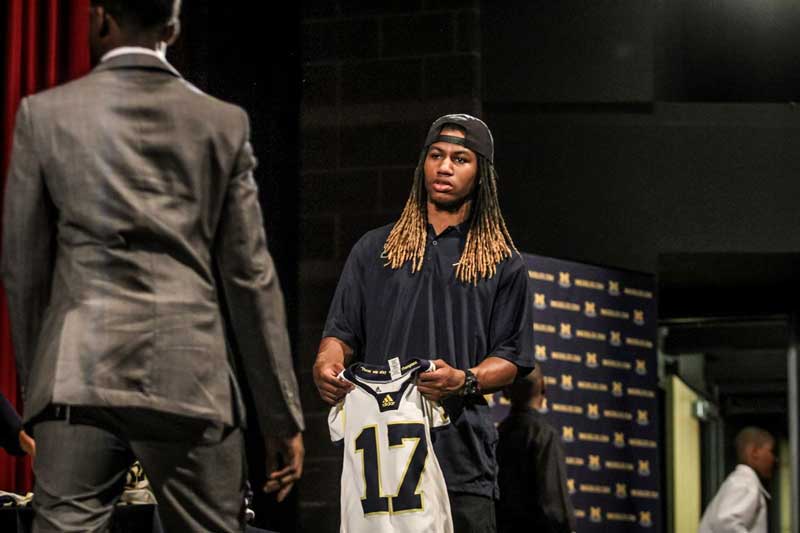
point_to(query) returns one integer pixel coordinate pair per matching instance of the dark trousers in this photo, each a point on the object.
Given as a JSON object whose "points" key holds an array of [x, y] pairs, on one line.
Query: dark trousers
{"points": [[196, 470], [472, 513]]}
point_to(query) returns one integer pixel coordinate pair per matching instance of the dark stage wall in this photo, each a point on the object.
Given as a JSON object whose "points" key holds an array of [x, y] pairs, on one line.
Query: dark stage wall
{"points": [[627, 130], [659, 137], [253, 60], [621, 188]]}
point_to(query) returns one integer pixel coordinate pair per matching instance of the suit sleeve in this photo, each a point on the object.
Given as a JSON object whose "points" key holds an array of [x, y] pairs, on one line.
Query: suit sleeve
{"points": [[28, 237], [552, 482], [255, 302]]}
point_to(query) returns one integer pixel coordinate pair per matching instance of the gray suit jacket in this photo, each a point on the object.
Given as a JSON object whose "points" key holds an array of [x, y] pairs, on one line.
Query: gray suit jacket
{"points": [[126, 189]]}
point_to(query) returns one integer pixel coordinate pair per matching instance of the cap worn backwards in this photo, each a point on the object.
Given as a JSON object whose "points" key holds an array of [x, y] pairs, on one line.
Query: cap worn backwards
{"points": [[477, 136]]}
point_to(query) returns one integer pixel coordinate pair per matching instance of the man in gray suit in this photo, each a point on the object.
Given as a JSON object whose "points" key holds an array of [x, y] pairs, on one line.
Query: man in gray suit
{"points": [[130, 212]]}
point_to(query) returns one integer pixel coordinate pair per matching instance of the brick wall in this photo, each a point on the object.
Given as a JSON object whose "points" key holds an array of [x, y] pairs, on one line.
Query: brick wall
{"points": [[375, 74]]}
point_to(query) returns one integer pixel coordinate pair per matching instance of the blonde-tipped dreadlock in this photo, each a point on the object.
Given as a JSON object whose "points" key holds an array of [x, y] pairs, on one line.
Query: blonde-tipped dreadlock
{"points": [[488, 240]]}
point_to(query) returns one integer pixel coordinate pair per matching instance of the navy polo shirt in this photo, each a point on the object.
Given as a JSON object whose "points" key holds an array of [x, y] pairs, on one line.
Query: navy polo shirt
{"points": [[383, 313]]}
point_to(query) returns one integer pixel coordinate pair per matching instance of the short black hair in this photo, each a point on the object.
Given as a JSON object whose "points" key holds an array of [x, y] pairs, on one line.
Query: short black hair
{"points": [[751, 436], [142, 14]]}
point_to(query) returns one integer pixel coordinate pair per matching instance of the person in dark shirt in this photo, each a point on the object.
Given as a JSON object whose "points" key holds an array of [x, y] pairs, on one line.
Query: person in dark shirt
{"points": [[13, 438], [532, 477], [445, 282]]}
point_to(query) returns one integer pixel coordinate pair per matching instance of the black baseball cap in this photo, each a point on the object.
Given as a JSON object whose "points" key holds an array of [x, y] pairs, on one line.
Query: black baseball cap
{"points": [[477, 136]]}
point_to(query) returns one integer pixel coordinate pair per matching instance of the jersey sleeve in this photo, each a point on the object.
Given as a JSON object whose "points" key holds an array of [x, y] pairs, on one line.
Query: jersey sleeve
{"points": [[434, 412], [336, 422], [336, 417], [437, 416]]}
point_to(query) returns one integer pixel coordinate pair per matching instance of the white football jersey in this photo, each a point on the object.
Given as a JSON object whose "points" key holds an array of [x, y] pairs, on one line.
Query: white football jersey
{"points": [[391, 480]]}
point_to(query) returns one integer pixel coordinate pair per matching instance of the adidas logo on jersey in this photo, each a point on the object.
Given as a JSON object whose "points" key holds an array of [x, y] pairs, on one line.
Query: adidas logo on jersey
{"points": [[387, 401]]}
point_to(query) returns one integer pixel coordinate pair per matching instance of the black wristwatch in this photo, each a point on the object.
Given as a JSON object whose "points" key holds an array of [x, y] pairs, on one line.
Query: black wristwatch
{"points": [[470, 386]]}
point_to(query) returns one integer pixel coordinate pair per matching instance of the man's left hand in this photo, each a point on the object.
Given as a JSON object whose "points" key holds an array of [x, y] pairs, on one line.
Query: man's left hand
{"points": [[442, 382], [27, 444]]}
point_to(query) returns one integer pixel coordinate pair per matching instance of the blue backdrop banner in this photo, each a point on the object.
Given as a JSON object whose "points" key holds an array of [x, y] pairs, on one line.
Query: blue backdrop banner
{"points": [[594, 335]]}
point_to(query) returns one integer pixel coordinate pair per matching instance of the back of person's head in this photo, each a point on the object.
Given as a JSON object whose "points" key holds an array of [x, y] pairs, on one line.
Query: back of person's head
{"points": [[525, 390], [142, 14]]}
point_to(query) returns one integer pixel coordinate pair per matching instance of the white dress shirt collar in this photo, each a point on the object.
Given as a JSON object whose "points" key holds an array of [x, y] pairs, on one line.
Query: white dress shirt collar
{"points": [[120, 50]]}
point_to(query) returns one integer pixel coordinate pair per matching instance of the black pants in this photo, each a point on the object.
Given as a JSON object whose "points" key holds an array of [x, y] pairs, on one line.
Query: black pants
{"points": [[195, 468], [472, 513]]}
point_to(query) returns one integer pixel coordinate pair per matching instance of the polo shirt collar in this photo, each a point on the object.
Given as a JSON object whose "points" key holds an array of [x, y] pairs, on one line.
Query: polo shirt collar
{"points": [[457, 230]]}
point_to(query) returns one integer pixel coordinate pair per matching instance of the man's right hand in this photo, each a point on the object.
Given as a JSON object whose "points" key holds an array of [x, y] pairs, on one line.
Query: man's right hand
{"points": [[331, 358], [326, 377]]}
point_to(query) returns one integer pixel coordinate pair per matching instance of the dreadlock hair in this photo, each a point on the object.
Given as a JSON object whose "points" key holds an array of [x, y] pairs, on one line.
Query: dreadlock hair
{"points": [[488, 240]]}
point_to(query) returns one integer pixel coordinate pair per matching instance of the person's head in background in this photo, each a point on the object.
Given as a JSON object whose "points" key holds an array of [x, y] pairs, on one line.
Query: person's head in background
{"points": [[755, 448], [147, 23], [528, 392]]}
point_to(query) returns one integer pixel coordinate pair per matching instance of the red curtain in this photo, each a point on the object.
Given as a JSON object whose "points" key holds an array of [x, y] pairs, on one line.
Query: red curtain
{"points": [[45, 42]]}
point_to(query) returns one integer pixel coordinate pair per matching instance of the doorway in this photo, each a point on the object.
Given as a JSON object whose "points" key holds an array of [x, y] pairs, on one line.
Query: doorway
{"points": [[727, 343]]}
